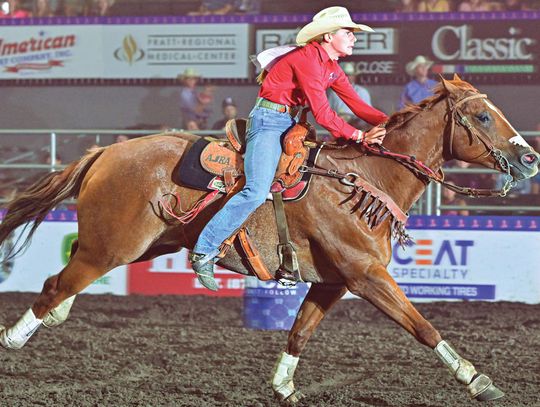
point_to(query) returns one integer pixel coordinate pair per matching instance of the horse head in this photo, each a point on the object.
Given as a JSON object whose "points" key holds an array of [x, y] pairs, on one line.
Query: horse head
{"points": [[478, 132]]}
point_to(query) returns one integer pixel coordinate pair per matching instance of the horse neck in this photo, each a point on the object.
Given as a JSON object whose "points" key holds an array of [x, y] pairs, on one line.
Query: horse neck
{"points": [[421, 137]]}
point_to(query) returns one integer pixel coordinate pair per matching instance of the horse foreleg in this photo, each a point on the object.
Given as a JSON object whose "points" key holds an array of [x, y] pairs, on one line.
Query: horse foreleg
{"points": [[318, 301], [381, 290]]}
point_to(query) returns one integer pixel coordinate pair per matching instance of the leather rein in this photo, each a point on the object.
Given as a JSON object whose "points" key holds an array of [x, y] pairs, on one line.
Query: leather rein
{"points": [[421, 170]]}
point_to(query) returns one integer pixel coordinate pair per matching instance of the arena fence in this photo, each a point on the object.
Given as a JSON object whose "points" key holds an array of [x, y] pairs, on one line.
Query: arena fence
{"points": [[26, 154]]}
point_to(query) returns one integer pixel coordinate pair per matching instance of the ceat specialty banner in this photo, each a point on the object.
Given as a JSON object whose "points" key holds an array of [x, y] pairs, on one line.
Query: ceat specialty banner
{"points": [[471, 258]]}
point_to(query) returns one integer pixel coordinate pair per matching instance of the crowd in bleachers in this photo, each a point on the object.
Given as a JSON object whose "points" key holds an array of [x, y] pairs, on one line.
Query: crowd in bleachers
{"points": [[72, 8]]}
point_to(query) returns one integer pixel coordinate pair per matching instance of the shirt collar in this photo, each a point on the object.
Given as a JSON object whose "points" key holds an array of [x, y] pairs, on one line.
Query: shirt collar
{"points": [[323, 55]]}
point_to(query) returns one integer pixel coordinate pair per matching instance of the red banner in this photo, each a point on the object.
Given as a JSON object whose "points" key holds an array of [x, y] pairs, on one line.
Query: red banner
{"points": [[172, 274]]}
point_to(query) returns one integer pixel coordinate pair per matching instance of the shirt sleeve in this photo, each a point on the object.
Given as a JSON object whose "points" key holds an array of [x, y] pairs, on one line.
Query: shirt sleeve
{"points": [[359, 107], [310, 81]]}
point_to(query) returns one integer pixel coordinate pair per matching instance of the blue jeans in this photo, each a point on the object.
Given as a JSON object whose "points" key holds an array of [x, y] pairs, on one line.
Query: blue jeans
{"points": [[266, 127]]}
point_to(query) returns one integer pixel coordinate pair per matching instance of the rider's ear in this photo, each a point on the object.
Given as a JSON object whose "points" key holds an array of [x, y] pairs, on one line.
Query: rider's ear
{"points": [[450, 88]]}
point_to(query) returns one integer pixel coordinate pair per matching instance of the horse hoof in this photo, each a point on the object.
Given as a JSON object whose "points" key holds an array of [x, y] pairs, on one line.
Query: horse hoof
{"points": [[491, 393], [293, 399], [482, 389]]}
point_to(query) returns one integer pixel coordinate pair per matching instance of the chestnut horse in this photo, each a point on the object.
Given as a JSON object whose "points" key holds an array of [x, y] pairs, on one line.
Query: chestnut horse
{"points": [[119, 186]]}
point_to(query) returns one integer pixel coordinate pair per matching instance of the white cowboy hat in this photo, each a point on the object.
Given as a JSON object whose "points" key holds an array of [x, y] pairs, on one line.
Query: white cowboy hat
{"points": [[328, 20], [419, 60]]}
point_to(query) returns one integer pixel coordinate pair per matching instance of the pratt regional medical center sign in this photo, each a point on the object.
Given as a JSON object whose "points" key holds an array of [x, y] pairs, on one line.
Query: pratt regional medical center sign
{"points": [[483, 47]]}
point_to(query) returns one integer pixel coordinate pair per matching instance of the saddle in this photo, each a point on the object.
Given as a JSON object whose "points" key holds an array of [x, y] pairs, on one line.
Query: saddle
{"points": [[225, 159]]}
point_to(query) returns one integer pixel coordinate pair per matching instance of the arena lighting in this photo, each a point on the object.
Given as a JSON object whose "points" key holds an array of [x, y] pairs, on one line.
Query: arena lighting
{"points": [[5, 7]]}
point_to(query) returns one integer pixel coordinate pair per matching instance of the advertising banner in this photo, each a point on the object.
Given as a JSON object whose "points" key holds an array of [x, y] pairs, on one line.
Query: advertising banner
{"points": [[172, 274], [51, 51], [486, 51], [146, 51], [165, 51], [47, 255], [451, 258]]}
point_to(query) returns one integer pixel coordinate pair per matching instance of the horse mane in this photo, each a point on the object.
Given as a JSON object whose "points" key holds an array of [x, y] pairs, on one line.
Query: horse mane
{"points": [[402, 116]]}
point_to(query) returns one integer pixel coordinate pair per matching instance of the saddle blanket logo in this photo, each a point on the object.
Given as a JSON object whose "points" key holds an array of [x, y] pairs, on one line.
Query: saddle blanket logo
{"points": [[219, 159], [217, 183]]}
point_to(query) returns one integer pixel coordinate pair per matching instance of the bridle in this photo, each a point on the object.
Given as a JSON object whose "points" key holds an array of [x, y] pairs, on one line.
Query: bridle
{"points": [[458, 116], [455, 115], [421, 170]]}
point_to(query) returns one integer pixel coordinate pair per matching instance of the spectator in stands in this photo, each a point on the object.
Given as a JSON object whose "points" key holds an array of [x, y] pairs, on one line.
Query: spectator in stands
{"points": [[216, 7], [450, 197], [514, 5], [475, 5], [408, 6], [70, 8], [339, 105], [98, 7], [248, 6], [433, 6], [45, 8], [18, 9], [191, 125], [120, 138], [230, 112], [194, 105], [421, 86]]}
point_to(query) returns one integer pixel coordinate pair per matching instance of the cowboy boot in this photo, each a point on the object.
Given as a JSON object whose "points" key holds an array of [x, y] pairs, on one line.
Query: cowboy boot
{"points": [[203, 265]]}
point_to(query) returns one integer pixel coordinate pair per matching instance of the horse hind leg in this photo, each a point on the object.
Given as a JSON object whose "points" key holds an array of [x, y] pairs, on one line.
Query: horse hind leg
{"points": [[57, 296], [318, 301], [381, 290]]}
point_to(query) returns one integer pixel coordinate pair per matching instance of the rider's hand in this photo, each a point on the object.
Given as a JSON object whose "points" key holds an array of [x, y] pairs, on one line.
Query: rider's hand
{"points": [[373, 136]]}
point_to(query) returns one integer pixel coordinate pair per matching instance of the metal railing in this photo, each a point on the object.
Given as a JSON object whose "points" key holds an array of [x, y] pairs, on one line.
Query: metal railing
{"points": [[50, 142]]}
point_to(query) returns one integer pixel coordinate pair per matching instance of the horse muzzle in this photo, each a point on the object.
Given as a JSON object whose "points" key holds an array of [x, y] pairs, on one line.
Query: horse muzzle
{"points": [[525, 166]]}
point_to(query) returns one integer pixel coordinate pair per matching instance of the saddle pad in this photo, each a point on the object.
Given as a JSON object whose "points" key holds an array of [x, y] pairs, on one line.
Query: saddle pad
{"points": [[190, 172]]}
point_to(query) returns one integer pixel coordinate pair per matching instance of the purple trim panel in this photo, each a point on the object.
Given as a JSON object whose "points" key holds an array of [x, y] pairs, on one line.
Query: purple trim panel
{"points": [[510, 223], [271, 18]]}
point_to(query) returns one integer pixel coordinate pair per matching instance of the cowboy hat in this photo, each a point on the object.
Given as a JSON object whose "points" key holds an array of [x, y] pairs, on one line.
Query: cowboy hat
{"points": [[189, 73], [419, 60], [348, 68], [328, 20]]}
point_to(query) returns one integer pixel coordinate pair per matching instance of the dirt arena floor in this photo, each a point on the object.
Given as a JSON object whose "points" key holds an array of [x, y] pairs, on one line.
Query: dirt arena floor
{"points": [[194, 351]]}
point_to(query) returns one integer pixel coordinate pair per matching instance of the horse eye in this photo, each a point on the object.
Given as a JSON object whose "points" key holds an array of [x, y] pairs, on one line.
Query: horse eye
{"points": [[483, 117]]}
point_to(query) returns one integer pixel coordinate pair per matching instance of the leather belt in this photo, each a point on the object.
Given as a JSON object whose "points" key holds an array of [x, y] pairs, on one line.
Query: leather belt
{"points": [[293, 111]]}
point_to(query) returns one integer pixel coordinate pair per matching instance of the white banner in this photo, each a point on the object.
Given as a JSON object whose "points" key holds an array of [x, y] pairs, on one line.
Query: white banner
{"points": [[46, 256], [469, 264], [123, 51]]}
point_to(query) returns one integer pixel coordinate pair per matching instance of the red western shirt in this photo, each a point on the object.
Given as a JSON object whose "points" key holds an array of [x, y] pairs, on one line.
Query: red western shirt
{"points": [[301, 78]]}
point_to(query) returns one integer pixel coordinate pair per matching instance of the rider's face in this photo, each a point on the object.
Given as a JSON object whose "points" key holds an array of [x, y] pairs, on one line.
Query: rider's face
{"points": [[342, 41]]}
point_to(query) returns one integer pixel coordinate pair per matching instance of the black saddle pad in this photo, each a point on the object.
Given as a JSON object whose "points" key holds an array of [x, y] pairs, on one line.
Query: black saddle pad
{"points": [[190, 172]]}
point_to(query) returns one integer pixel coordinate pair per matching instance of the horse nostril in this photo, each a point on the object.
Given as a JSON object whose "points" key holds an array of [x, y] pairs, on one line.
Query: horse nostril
{"points": [[530, 159]]}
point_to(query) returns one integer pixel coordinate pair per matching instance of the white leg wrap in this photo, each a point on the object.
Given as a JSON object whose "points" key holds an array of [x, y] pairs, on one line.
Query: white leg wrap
{"points": [[462, 369], [282, 380], [16, 336], [59, 314]]}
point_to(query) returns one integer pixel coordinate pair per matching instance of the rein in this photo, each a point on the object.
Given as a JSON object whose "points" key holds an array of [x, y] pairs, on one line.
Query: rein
{"points": [[421, 170]]}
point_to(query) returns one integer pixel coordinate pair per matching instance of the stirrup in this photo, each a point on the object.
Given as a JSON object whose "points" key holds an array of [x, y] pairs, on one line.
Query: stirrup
{"points": [[203, 266]]}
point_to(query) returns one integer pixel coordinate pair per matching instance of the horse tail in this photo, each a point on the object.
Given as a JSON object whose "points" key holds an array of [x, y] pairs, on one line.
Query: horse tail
{"points": [[33, 205]]}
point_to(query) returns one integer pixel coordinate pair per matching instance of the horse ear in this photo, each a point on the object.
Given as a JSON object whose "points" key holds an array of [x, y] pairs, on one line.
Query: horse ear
{"points": [[456, 78], [449, 86]]}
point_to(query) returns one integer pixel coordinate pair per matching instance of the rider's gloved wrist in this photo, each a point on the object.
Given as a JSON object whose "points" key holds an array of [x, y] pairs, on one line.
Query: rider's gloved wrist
{"points": [[359, 136]]}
